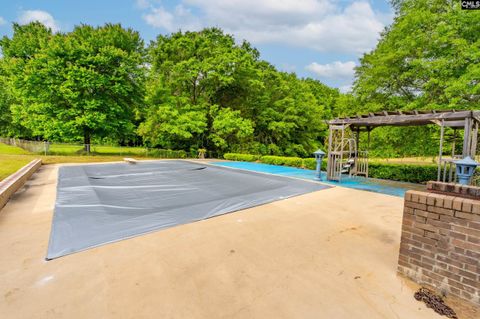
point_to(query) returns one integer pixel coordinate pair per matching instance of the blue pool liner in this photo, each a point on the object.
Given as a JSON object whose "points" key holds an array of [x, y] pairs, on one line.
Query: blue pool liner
{"points": [[367, 184]]}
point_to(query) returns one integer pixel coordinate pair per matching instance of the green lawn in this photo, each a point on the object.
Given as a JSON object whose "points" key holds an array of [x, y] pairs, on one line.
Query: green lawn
{"points": [[13, 158], [65, 149], [8, 165], [72, 149], [8, 149]]}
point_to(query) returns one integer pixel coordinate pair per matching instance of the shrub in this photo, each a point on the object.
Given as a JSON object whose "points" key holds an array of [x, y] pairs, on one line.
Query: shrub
{"points": [[395, 172], [311, 163], [282, 160], [158, 152], [402, 172], [241, 157]]}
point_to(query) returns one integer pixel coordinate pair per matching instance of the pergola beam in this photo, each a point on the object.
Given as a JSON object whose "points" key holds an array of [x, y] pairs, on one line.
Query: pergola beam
{"points": [[451, 118]]}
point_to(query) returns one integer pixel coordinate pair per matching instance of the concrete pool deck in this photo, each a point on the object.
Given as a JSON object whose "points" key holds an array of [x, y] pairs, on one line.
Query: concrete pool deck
{"points": [[328, 254]]}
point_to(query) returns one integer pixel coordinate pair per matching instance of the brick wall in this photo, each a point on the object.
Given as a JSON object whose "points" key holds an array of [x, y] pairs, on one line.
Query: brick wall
{"points": [[440, 243]]}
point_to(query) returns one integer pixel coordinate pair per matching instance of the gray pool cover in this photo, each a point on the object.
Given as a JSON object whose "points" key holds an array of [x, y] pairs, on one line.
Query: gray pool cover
{"points": [[99, 204]]}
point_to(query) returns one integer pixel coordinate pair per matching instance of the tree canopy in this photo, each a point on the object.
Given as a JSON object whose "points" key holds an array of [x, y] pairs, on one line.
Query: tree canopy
{"points": [[81, 84], [186, 90], [191, 90], [206, 91], [429, 58]]}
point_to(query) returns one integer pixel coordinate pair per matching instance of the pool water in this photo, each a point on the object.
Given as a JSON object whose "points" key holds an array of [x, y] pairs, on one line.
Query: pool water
{"points": [[367, 184]]}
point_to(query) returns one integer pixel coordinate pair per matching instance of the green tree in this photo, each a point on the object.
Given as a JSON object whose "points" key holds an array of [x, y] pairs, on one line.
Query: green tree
{"points": [[229, 128], [6, 100], [204, 90], [289, 113], [429, 58], [189, 90], [26, 42], [193, 77], [79, 85], [171, 121]]}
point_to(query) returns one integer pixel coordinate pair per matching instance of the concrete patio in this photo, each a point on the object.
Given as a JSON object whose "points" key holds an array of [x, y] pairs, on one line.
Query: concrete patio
{"points": [[328, 254]]}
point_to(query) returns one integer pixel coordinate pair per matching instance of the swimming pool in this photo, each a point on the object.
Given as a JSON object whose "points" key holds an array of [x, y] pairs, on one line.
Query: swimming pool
{"points": [[367, 184], [103, 203]]}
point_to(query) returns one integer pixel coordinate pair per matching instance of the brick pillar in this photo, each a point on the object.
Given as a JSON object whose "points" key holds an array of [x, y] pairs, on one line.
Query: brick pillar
{"points": [[440, 243]]}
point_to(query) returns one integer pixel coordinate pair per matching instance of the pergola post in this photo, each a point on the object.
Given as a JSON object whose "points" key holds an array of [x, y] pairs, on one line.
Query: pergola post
{"points": [[369, 129], [473, 148], [368, 139], [450, 175], [442, 130], [466, 137], [338, 169], [329, 155]]}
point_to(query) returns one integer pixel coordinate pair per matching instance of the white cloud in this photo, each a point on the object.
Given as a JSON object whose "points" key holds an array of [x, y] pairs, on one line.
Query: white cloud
{"points": [[345, 88], [159, 18], [2, 21], [323, 25], [248, 14], [336, 70], [179, 18], [287, 67], [43, 17], [143, 4]]}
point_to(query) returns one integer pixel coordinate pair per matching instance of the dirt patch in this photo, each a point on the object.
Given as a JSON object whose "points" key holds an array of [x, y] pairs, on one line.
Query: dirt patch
{"points": [[349, 229], [435, 302]]}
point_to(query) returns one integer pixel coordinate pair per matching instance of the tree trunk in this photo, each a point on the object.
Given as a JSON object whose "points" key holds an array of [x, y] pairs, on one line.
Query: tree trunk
{"points": [[86, 141]]}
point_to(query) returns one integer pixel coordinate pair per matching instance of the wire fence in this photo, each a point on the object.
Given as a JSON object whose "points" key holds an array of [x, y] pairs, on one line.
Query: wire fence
{"points": [[30, 146], [65, 149]]}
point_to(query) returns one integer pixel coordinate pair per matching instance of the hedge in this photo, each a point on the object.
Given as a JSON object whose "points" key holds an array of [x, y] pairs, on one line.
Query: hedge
{"points": [[396, 172], [158, 152], [241, 157], [403, 172], [281, 160], [311, 163]]}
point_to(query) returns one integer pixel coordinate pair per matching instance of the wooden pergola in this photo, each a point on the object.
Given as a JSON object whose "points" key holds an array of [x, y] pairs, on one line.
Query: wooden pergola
{"points": [[344, 155]]}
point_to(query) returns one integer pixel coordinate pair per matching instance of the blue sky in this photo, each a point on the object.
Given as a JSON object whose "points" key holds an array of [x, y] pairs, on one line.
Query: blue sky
{"points": [[321, 39]]}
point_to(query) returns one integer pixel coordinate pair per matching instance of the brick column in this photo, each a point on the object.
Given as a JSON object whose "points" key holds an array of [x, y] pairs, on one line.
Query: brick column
{"points": [[440, 243]]}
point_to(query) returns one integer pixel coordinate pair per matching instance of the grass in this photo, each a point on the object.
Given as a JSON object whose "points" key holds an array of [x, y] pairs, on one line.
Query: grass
{"points": [[13, 158], [8, 149], [72, 149], [9, 165], [110, 150]]}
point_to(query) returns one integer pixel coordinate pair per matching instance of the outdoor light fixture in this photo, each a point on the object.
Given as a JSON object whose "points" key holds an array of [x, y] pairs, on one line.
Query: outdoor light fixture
{"points": [[465, 169], [319, 154]]}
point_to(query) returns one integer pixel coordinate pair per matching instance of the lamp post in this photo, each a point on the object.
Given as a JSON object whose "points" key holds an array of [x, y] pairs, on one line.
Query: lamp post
{"points": [[319, 154], [465, 169]]}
